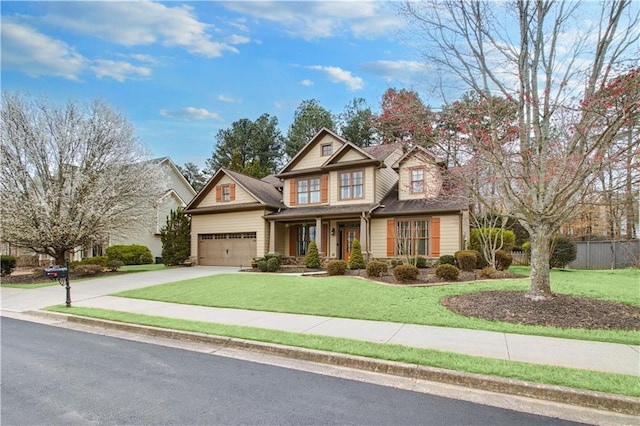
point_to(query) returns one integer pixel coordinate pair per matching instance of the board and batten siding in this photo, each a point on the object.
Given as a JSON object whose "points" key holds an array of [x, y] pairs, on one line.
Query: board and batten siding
{"points": [[313, 157], [449, 235], [241, 196], [222, 223]]}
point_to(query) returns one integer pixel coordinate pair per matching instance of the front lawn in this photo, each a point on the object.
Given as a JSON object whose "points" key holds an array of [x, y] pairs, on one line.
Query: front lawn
{"points": [[348, 297]]}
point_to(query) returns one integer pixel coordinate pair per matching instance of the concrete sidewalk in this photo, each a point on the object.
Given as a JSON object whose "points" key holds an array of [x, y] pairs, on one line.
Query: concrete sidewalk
{"points": [[596, 356]]}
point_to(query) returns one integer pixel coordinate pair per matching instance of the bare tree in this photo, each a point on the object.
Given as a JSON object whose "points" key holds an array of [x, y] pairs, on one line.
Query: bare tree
{"points": [[560, 63], [71, 175]]}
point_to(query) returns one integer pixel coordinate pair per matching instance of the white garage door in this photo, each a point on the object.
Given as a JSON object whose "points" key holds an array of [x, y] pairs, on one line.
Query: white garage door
{"points": [[232, 249]]}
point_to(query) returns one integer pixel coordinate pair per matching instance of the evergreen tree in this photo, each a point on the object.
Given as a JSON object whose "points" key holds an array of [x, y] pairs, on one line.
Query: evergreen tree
{"points": [[309, 119], [312, 259], [356, 261], [356, 123], [176, 238], [196, 177]]}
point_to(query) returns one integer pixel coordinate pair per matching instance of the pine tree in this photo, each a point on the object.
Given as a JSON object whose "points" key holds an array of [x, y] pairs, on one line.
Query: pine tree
{"points": [[176, 238]]}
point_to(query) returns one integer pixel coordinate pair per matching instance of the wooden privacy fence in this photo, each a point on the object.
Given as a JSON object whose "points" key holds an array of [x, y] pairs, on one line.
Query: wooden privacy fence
{"points": [[606, 254]]}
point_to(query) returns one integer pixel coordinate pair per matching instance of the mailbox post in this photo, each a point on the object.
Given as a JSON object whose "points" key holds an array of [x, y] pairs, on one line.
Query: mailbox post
{"points": [[62, 275]]}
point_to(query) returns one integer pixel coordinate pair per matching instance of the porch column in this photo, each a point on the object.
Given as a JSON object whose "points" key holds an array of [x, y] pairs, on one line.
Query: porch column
{"points": [[364, 232], [272, 236], [319, 234]]}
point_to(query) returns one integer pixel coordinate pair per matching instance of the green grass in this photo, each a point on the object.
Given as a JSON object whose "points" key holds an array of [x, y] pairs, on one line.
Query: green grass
{"points": [[348, 297], [580, 379], [47, 283]]}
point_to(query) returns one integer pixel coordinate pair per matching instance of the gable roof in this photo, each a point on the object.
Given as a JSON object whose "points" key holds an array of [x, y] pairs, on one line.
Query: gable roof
{"points": [[323, 132], [416, 149], [264, 193], [382, 151]]}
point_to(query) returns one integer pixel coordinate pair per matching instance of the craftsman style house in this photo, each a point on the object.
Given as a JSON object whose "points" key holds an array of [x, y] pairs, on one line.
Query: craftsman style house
{"points": [[389, 197]]}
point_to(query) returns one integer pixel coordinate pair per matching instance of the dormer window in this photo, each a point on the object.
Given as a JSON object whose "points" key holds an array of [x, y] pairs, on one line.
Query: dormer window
{"points": [[417, 180], [326, 149]]}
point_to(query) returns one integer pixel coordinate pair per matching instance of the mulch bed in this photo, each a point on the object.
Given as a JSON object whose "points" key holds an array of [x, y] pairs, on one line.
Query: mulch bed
{"points": [[562, 310]]}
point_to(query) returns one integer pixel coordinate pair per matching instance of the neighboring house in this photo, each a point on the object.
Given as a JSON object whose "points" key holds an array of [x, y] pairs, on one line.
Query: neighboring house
{"points": [[178, 192], [389, 197]]}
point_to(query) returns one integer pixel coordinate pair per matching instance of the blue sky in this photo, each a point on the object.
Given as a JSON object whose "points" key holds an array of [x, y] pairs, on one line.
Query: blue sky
{"points": [[181, 71]]}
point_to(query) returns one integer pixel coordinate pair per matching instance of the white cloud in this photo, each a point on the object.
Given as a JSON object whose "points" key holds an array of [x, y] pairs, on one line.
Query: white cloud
{"points": [[402, 71], [118, 70], [322, 19], [338, 75], [306, 83], [27, 50], [228, 99], [238, 39], [191, 113], [138, 23]]}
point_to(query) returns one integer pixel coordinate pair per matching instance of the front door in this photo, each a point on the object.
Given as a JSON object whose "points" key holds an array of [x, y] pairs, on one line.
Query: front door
{"points": [[348, 235]]}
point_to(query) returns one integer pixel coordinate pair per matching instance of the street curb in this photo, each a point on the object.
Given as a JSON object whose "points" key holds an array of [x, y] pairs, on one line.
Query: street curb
{"points": [[591, 399]]}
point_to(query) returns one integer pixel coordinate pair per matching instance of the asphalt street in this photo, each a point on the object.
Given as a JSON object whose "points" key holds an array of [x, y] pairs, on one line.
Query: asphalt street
{"points": [[52, 375]]}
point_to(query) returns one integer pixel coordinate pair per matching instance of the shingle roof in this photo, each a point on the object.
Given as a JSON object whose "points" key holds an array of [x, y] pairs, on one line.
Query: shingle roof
{"points": [[382, 151], [323, 211], [263, 191], [391, 205]]}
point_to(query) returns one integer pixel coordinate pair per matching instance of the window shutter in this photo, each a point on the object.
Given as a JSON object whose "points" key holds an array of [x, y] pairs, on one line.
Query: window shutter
{"points": [[390, 238], [292, 192], [435, 236], [324, 188], [218, 194], [232, 192]]}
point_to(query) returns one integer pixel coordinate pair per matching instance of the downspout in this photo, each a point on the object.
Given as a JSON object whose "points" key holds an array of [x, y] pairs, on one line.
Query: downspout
{"points": [[367, 216]]}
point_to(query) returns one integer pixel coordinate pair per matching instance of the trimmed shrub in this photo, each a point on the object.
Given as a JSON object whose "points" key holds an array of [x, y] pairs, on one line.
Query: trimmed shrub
{"points": [[406, 273], [356, 261], [88, 269], [114, 265], [447, 259], [503, 260], [7, 264], [481, 261], [273, 264], [96, 260], [564, 252], [447, 272], [262, 265], [487, 272], [466, 259], [420, 262], [475, 239], [312, 259], [396, 262], [375, 268], [132, 254], [274, 255], [336, 267]]}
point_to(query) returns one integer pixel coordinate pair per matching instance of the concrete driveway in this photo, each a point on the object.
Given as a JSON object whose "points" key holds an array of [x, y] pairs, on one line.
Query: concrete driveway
{"points": [[22, 300]]}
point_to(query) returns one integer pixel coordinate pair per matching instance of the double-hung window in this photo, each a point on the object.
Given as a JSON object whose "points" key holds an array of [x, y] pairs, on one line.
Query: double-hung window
{"points": [[412, 237], [226, 193], [417, 180], [308, 191], [351, 185]]}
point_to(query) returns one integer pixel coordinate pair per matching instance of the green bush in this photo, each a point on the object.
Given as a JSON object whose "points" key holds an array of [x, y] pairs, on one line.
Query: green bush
{"points": [[503, 260], [466, 259], [356, 261], [375, 268], [7, 264], [447, 259], [405, 273], [176, 238], [312, 259], [396, 262], [564, 252], [132, 254], [420, 262], [274, 255], [336, 267], [114, 265], [273, 264], [89, 269], [475, 239], [481, 261], [447, 272], [262, 265], [96, 260]]}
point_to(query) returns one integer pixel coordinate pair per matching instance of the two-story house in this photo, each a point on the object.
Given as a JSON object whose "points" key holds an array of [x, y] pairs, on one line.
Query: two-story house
{"points": [[389, 197]]}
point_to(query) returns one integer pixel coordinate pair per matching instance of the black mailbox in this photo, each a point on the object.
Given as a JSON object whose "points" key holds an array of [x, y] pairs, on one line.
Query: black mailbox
{"points": [[56, 272]]}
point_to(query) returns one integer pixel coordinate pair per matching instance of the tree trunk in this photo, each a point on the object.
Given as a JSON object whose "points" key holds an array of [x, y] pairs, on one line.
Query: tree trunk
{"points": [[60, 257], [540, 254]]}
